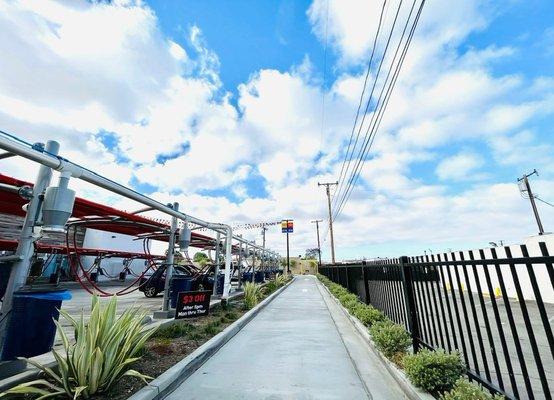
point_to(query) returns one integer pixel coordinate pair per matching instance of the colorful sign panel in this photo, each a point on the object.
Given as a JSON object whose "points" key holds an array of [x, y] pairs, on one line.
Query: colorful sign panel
{"points": [[287, 226]]}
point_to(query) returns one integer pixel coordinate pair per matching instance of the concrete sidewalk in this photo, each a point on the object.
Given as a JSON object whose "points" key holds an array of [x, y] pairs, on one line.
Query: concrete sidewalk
{"points": [[294, 349]]}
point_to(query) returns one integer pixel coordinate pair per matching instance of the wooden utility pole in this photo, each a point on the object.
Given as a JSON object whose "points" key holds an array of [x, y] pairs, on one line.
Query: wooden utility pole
{"points": [[527, 188], [327, 185], [316, 222]]}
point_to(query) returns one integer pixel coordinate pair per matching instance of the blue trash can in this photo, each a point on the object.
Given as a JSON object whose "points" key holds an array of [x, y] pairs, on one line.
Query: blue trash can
{"points": [[179, 284], [31, 329], [259, 277], [247, 276]]}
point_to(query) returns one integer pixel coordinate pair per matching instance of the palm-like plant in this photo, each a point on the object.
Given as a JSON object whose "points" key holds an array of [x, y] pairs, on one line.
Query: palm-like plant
{"points": [[252, 294], [102, 353]]}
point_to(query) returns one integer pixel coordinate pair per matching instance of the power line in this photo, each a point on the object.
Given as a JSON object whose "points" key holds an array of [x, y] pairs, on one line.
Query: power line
{"points": [[368, 104], [379, 112], [363, 91], [544, 201]]}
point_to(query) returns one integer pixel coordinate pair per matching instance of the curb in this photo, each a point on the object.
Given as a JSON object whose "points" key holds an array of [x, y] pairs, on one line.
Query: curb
{"points": [[399, 376], [174, 376], [32, 373]]}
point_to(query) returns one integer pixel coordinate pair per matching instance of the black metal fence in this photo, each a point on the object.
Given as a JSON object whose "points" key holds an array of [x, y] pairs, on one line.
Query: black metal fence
{"points": [[493, 308]]}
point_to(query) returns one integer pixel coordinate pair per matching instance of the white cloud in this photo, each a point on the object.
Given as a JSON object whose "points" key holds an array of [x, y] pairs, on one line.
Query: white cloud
{"points": [[459, 167], [72, 82]]}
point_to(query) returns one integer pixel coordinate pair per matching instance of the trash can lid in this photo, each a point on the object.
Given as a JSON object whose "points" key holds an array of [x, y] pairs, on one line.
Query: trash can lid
{"points": [[56, 294]]}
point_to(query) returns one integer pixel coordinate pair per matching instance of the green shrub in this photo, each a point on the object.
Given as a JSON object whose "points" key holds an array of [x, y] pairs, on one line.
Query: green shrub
{"points": [[369, 315], [252, 294], [270, 287], [174, 331], [101, 355], [465, 390], [211, 328], [390, 338], [434, 371]]}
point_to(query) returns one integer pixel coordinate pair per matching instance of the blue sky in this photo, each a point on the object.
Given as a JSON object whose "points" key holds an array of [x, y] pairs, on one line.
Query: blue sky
{"points": [[218, 105]]}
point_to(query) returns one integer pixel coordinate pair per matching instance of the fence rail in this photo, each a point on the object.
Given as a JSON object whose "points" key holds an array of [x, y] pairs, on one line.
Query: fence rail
{"points": [[493, 309]]}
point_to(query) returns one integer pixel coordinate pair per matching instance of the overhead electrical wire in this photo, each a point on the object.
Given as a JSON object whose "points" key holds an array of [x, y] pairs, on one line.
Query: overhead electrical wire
{"points": [[544, 201], [379, 111], [368, 103], [363, 91]]}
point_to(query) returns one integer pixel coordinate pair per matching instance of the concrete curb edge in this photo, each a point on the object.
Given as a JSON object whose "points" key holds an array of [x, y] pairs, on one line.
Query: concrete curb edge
{"points": [[174, 376], [399, 376]]}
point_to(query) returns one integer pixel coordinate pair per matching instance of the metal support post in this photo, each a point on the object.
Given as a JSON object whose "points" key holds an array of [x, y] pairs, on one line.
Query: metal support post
{"points": [[263, 246], [254, 266], [170, 259], [228, 255], [240, 266], [216, 270], [20, 268], [409, 296]]}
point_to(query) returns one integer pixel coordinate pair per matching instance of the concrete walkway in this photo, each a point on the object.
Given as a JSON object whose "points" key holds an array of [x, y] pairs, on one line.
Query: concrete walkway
{"points": [[294, 349]]}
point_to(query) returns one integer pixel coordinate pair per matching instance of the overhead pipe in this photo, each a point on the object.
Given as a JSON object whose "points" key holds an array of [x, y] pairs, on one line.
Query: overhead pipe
{"points": [[63, 165]]}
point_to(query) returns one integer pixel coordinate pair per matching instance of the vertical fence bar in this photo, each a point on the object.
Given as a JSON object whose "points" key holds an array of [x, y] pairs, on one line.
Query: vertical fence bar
{"points": [[498, 322], [549, 268], [455, 307], [487, 323], [513, 327], [388, 287], [422, 312], [347, 277], [366, 284], [409, 298], [528, 326], [465, 316], [431, 315], [397, 296], [447, 300], [439, 322], [538, 299], [475, 321]]}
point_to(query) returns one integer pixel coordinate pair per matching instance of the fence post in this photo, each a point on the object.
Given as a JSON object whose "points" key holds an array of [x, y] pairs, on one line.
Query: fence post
{"points": [[409, 296], [366, 284]]}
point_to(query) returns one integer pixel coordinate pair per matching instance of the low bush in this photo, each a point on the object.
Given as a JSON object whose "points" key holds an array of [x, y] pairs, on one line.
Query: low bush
{"points": [[465, 390], [174, 331], [369, 315], [252, 294], [211, 328], [434, 371], [392, 339]]}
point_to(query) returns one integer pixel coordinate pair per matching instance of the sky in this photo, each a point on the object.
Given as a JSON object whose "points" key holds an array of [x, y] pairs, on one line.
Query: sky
{"points": [[237, 110]]}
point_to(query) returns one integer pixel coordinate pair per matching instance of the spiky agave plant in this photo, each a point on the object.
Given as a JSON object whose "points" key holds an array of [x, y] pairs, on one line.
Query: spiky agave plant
{"points": [[280, 280], [252, 294], [103, 350]]}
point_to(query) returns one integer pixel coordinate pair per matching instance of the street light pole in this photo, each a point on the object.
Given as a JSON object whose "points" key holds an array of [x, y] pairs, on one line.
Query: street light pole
{"points": [[327, 185]]}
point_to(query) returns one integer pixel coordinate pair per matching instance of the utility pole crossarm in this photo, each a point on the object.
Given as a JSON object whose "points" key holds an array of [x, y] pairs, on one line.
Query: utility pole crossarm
{"points": [[328, 192]]}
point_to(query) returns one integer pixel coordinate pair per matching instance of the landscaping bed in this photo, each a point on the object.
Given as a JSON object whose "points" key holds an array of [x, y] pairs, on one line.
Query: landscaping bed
{"points": [[112, 357], [170, 344], [439, 373]]}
